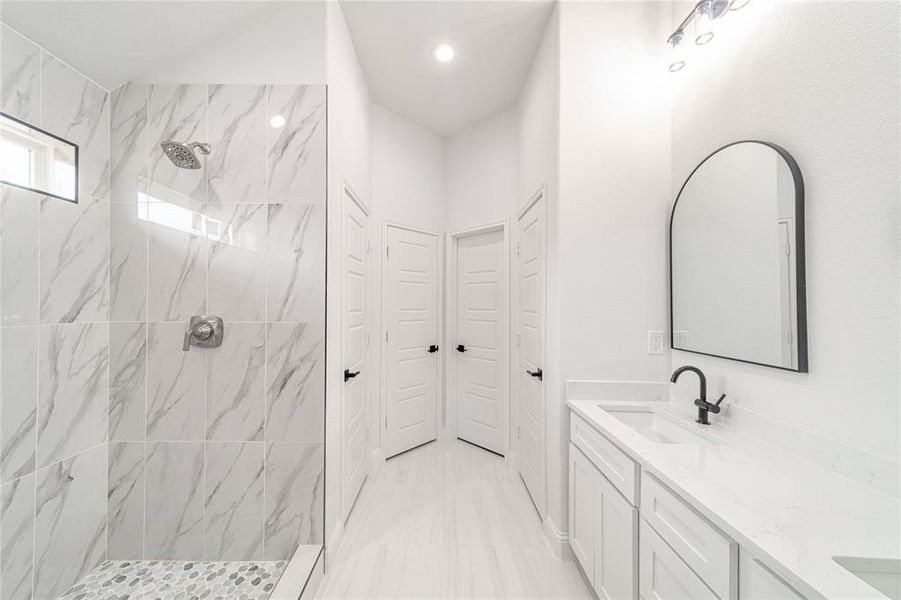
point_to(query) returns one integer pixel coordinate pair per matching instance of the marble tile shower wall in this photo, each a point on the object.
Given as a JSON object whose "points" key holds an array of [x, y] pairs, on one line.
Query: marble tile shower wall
{"points": [[217, 453], [54, 338]]}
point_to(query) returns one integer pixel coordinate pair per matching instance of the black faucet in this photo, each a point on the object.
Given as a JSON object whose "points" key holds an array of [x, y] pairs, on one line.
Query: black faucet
{"points": [[704, 407]]}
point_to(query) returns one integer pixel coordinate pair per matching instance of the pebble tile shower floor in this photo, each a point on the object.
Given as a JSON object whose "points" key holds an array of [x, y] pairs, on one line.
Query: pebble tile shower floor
{"points": [[178, 580]]}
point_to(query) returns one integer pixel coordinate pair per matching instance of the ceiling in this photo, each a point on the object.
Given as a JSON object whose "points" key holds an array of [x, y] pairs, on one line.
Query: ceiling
{"points": [[115, 42], [495, 42]]}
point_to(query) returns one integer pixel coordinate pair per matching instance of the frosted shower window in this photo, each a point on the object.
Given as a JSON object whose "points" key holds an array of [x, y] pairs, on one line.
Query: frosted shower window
{"points": [[36, 160], [737, 257]]}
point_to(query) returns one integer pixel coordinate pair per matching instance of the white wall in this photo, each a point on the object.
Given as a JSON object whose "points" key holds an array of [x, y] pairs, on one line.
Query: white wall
{"points": [[407, 171], [286, 43], [480, 172], [796, 73], [349, 147], [613, 199], [538, 145]]}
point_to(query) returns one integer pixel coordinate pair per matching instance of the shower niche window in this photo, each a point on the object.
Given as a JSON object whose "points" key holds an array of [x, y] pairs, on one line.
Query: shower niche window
{"points": [[38, 161]]}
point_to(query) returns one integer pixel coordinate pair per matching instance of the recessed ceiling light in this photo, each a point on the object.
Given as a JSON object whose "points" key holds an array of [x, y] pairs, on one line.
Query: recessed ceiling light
{"points": [[444, 53], [277, 121]]}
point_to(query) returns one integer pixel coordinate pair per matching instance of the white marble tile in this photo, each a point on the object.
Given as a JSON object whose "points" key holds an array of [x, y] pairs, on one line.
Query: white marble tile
{"points": [[77, 110], [73, 389], [294, 497], [126, 501], [237, 254], [177, 273], [295, 382], [19, 218], [297, 151], [129, 142], [128, 263], [74, 260], [236, 168], [17, 537], [128, 377], [175, 385], [70, 521], [173, 525], [20, 77], [233, 523], [178, 113], [236, 384], [295, 263], [18, 402]]}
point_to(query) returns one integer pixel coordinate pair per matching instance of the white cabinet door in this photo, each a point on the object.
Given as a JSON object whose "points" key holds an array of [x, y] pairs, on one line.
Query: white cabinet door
{"points": [[603, 530], [756, 581], [583, 502], [665, 576], [616, 546]]}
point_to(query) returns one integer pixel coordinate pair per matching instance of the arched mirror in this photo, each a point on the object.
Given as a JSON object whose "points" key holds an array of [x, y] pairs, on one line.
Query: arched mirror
{"points": [[737, 258]]}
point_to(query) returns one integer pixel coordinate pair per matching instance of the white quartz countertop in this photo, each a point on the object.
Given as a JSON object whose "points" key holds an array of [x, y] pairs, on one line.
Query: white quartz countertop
{"points": [[791, 514]]}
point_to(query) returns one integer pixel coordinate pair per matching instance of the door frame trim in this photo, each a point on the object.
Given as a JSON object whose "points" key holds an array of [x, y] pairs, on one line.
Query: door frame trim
{"points": [[450, 303], [383, 328], [348, 191]]}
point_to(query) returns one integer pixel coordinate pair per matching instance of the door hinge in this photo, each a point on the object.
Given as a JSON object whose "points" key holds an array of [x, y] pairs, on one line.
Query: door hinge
{"points": [[517, 249], [386, 337], [788, 249], [517, 433], [368, 247], [386, 422], [387, 251]]}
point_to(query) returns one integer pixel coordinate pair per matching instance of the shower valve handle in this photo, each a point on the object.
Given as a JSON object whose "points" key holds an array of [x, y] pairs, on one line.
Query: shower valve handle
{"points": [[204, 331]]}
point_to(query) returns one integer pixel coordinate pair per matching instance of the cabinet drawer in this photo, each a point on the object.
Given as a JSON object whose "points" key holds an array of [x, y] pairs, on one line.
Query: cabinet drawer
{"points": [[622, 471], [706, 549], [662, 574]]}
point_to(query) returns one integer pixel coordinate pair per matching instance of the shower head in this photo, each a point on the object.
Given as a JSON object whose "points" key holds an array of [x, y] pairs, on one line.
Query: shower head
{"points": [[184, 155]]}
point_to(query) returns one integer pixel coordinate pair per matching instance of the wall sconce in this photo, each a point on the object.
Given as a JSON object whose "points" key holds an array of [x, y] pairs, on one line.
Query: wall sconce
{"points": [[702, 17]]}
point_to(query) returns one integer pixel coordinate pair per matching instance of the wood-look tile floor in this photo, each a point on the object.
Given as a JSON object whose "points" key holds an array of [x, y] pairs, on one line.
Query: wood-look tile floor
{"points": [[447, 520]]}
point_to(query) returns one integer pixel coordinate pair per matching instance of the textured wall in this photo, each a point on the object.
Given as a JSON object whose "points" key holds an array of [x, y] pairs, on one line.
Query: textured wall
{"points": [[54, 303], [771, 74], [217, 453]]}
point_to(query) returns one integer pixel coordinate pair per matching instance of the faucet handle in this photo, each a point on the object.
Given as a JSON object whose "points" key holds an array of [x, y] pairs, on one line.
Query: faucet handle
{"points": [[715, 407]]}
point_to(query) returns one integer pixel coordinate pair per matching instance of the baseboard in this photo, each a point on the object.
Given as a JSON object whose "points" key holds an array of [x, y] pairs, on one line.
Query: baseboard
{"points": [[557, 538]]}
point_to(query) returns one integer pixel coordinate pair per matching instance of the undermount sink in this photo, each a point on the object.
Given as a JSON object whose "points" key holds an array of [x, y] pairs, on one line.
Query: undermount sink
{"points": [[658, 428], [884, 574]]}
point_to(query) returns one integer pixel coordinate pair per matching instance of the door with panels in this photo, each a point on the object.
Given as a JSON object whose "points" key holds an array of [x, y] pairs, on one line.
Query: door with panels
{"points": [[482, 339], [411, 339], [354, 414], [530, 251]]}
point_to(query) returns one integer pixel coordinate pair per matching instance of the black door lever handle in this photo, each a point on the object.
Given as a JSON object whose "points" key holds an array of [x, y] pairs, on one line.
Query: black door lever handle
{"points": [[433, 348], [349, 375], [536, 373], [461, 348]]}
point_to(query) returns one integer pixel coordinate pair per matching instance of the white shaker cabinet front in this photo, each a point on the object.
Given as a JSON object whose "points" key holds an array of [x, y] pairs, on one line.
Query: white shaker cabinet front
{"points": [[603, 528], [664, 575]]}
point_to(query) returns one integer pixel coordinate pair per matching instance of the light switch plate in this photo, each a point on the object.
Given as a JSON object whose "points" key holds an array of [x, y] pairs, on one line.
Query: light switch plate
{"points": [[655, 342]]}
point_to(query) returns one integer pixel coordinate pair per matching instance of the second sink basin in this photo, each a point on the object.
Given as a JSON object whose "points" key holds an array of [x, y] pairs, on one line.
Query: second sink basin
{"points": [[657, 427]]}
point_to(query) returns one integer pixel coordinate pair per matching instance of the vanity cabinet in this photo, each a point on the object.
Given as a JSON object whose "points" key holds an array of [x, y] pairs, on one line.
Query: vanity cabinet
{"points": [[663, 573], [603, 529], [756, 580]]}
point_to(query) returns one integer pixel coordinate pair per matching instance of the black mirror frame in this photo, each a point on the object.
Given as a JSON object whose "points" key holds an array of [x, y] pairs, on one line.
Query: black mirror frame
{"points": [[56, 137], [800, 268]]}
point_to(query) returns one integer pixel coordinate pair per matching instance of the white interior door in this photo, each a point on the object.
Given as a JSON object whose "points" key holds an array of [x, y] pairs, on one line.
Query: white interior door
{"points": [[411, 373], [354, 421], [482, 340], [531, 323]]}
